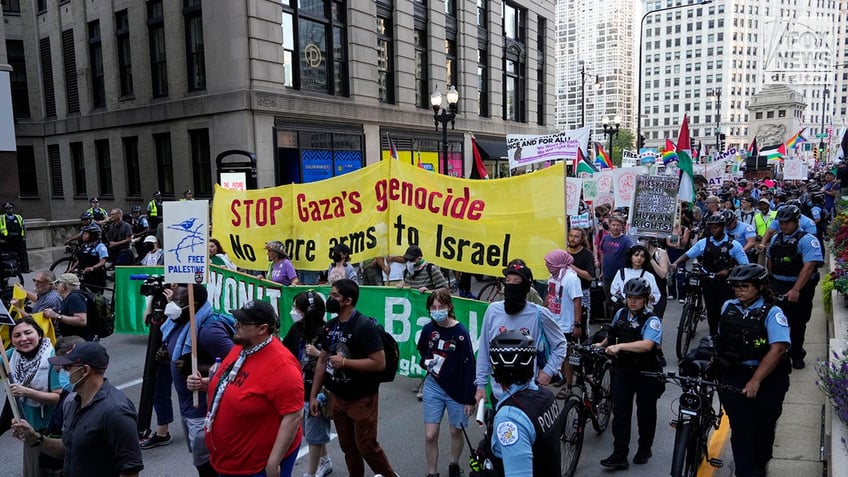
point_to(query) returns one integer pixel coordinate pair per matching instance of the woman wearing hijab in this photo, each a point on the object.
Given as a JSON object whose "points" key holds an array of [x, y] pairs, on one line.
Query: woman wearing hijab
{"points": [[564, 300]]}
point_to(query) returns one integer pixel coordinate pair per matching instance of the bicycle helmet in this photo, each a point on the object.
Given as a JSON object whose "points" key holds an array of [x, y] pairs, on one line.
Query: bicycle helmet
{"points": [[780, 194], [716, 219], [637, 287], [86, 215], [92, 229], [788, 212], [812, 188], [729, 216], [748, 273], [136, 208], [512, 355], [795, 202]]}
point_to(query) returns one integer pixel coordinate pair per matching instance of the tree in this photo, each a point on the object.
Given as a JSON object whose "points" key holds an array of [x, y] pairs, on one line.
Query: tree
{"points": [[624, 139]]}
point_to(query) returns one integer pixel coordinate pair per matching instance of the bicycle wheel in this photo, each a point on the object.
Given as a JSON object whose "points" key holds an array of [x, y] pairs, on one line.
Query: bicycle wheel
{"points": [[684, 462], [685, 330], [491, 292], [571, 441], [602, 399], [63, 265]]}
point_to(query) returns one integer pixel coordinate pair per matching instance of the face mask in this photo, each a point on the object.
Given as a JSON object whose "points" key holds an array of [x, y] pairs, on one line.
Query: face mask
{"points": [[515, 297], [333, 305], [295, 315], [439, 315], [173, 311], [65, 380], [410, 267]]}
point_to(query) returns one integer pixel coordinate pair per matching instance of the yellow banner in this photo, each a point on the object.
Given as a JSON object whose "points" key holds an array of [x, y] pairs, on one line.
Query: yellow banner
{"points": [[461, 224]]}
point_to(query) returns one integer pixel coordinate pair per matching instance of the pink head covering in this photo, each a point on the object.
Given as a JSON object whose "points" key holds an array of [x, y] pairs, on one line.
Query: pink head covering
{"points": [[558, 260]]}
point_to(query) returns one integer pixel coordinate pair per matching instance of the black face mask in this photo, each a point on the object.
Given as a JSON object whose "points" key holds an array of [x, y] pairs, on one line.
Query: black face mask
{"points": [[333, 305], [337, 257], [515, 297]]}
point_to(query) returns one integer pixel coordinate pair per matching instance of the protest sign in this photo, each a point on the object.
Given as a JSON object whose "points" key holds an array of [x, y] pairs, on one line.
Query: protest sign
{"points": [[402, 311], [629, 158], [460, 224], [654, 206], [590, 189], [794, 170], [604, 179], [624, 183], [573, 189], [524, 149], [580, 221], [186, 235]]}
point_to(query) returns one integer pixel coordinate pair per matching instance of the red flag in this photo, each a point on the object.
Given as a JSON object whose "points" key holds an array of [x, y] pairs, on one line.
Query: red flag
{"points": [[669, 146], [478, 161]]}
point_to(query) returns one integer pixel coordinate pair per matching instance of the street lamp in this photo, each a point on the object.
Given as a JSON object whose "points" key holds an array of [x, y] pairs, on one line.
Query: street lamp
{"points": [[611, 130], [583, 75], [825, 93], [717, 95], [444, 116], [639, 144]]}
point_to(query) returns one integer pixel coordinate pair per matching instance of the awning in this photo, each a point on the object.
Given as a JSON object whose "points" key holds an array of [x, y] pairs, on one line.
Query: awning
{"points": [[492, 149]]}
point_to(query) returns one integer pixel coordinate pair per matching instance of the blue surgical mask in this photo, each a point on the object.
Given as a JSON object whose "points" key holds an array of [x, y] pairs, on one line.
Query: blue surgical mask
{"points": [[65, 381], [439, 315]]}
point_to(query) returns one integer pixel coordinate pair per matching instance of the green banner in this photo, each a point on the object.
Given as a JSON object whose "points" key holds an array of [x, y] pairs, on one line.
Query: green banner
{"points": [[402, 311]]}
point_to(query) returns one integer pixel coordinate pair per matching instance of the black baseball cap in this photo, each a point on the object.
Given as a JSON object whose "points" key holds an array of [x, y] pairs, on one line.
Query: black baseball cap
{"points": [[90, 353], [413, 253], [258, 312], [518, 267]]}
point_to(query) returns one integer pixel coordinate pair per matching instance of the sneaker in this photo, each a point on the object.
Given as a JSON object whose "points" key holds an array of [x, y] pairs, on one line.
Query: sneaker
{"points": [[325, 467], [156, 441], [642, 457], [454, 470], [681, 301], [615, 462], [420, 395]]}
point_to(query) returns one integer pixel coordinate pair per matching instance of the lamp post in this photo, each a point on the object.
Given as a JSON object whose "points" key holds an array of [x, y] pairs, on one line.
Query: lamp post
{"points": [[611, 130], [444, 116], [825, 93], [583, 75], [717, 94], [639, 144]]}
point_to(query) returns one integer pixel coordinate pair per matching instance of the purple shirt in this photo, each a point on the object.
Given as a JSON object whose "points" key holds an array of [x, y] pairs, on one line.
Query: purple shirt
{"points": [[615, 252], [283, 272]]}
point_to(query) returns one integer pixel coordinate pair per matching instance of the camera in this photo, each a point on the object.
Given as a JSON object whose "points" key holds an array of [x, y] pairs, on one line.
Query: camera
{"points": [[154, 286]]}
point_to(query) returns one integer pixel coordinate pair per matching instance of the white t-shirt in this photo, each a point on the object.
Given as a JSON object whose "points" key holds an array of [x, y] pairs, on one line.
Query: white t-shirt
{"points": [[560, 300], [617, 286]]}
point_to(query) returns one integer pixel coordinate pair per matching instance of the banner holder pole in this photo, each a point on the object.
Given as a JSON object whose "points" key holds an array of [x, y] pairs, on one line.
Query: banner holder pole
{"points": [[195, 395], [565, 201]]}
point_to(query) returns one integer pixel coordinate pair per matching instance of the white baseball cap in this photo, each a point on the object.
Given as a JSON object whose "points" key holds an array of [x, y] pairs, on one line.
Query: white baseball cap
{"points": [[150, 239]]}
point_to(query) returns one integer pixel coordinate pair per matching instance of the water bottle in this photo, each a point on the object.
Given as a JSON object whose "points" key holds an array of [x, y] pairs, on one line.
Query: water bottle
{"points": [[214, 367], [322, 399]]}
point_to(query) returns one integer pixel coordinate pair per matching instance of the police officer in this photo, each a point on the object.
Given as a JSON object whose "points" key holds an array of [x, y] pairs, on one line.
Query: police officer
{"points": [[140, 229], [528, 423], [807, 224], [98, 213], [85, 219], [719, 253], [751, 353], [13, 236], [91, 258], [634, 338], [793, 259], [743, 233], [188, 195], [154, 210]]}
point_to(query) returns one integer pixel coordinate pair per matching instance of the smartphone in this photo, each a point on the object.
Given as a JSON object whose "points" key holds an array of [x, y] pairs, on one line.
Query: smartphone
{"points": [[674, 239]]}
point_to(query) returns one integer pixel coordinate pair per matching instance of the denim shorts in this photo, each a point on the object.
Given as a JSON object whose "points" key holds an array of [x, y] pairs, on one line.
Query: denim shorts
{"points": [[316, 429], [436, 400]]}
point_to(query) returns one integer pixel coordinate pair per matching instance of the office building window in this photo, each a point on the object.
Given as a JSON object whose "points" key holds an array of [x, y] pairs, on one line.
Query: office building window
{"points": [[57, 188], [69, 58], [483, 83], [131, 166], [483, 14], [41, 6], [27, 174], [104, 167], [315, 59], [541, 42], [385, 56], [164, 163], [12, 6], [422, 83], [47, 78], [514, 64], [451, 63], [78, 169], [122, 32], [95, 53], [18, 78], [201, 162], [196, 65], [156, 35]]}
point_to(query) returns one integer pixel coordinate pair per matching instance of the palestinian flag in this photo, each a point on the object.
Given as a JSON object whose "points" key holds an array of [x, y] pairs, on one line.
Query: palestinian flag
{"points": [[583, 164], [753, 150], [774, 153], [686, 189], [478, 161]]}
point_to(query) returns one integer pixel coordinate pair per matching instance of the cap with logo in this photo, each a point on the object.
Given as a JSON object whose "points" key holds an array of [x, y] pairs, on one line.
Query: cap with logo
{"points": [[256, 312], [89, 353]]}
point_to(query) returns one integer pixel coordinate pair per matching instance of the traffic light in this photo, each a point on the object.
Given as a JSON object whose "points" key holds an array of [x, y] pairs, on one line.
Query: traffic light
{"points": [[816, 153], [721, 145], [641, 140]]}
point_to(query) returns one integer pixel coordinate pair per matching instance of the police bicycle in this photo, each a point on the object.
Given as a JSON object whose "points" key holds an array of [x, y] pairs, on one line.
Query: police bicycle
{"points": [[693, 310], [590, 399], [696, 416]]}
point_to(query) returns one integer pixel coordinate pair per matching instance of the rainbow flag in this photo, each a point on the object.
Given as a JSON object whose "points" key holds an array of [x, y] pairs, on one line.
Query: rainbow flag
{"points": [[602, 157], [796, 139], [670, 153]]}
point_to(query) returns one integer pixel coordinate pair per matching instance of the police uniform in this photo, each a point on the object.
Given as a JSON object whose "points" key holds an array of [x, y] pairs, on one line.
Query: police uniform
{"points": [[13, 232], [154, 213], [89, 255], [741, 233], [804, 223], [99, 214], [526, 431], [744, 338], [716, 256], [787, 255], [628, 381]]}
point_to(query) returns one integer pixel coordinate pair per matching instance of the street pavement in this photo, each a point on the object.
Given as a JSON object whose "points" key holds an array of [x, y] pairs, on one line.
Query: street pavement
{"points": [[796, 451]]}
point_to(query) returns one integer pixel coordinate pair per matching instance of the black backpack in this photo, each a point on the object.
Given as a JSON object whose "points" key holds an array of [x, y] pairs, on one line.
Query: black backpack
{"points": [[100, 314], [390, 347]]}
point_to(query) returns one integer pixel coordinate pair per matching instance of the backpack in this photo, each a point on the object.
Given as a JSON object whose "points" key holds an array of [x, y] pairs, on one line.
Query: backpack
{"points": [[100, 314], [390, 347]]}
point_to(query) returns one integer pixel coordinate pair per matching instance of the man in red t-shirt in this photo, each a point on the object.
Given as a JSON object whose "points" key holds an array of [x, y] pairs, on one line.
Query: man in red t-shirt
{"points": [[255, 400]]}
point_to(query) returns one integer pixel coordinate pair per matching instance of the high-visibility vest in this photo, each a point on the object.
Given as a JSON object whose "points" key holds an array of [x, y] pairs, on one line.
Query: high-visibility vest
{"points": [[762, 223], [152, 210], [4, 231]]}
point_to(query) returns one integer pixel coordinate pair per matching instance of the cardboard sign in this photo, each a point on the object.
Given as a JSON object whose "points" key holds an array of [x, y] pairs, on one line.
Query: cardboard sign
{"points": [[573, 188], [186, 236], [654, 206]]}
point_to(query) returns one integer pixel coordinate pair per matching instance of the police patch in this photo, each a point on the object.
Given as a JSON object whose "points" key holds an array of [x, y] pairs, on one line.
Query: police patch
{"points": [[815, 243], [655, 325], [507, 433], [780, 318]]}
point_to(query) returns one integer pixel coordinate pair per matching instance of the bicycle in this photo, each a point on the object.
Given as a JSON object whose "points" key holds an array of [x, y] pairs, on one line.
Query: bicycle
{"points": [[590, 399], [696, 414], [9, 269], [693, 311], [66, 264], [492, 291]]}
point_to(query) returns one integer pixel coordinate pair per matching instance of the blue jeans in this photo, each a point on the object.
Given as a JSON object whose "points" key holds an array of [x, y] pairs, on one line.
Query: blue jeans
{"points": [[286, 468], [162, 395]]}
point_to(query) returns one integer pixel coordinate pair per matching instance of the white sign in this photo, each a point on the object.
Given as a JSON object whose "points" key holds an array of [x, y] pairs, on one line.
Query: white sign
{"points": [[573, 188], [234, 180], [624, 184], [794, 170], [186, 236], [629, 158], [581, 221], [523, 149]]}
